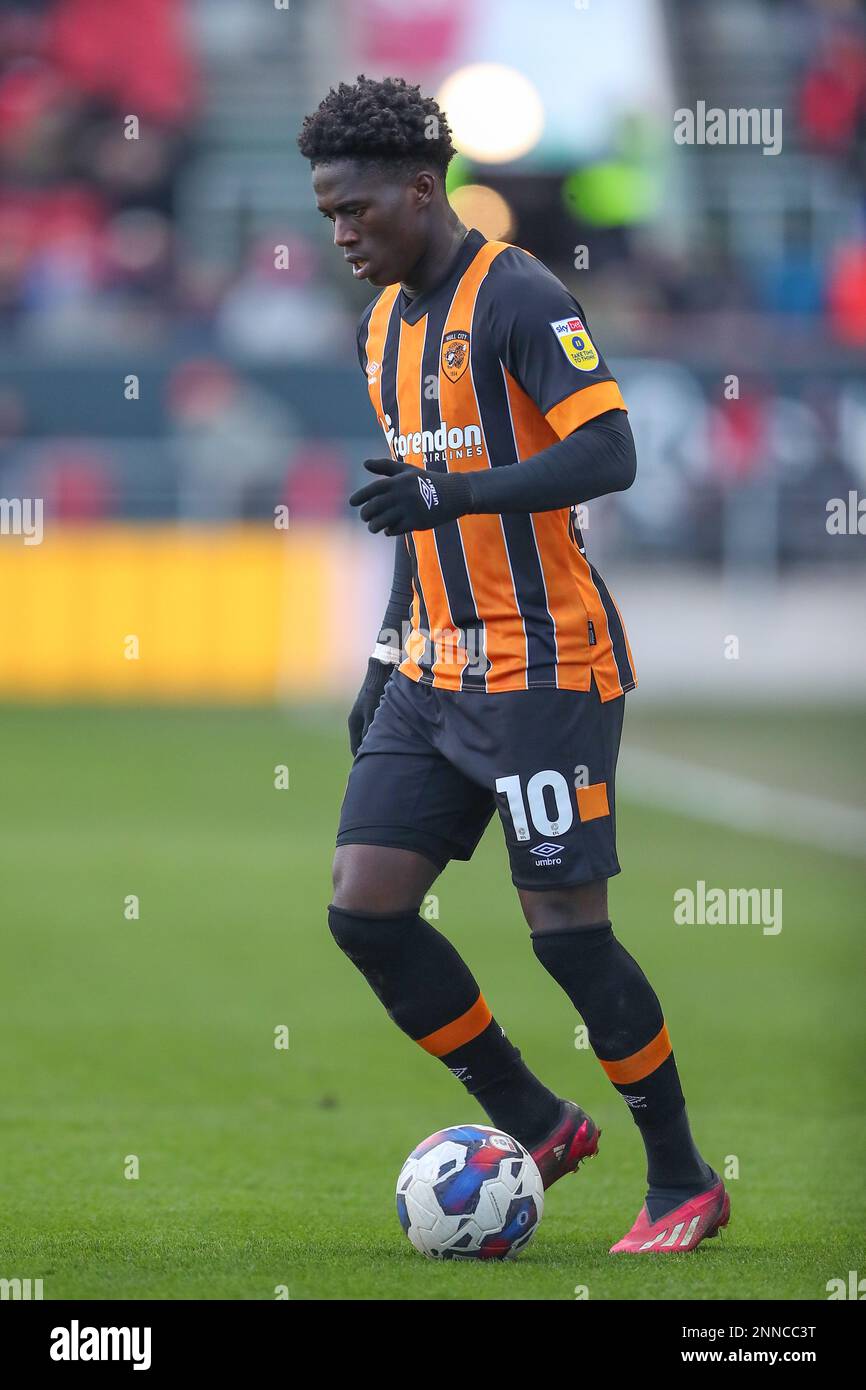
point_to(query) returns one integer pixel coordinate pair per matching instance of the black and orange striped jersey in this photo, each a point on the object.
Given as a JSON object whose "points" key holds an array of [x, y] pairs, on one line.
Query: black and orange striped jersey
{"points": [[489, 367]]}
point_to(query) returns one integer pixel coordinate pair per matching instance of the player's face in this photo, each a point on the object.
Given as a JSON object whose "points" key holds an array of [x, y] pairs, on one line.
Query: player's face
{"points": [[376, 220]]}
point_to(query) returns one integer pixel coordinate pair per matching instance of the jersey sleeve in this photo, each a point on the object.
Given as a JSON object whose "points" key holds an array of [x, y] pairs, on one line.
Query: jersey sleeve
{"points": [[543, 340]]}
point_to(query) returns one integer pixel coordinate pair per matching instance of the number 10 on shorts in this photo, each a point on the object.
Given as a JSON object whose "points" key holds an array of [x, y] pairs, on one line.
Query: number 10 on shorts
{"points": [[537, 805]]}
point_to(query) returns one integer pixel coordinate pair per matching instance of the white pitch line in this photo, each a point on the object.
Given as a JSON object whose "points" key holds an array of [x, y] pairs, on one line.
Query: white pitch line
{"points": [[725, 798]]}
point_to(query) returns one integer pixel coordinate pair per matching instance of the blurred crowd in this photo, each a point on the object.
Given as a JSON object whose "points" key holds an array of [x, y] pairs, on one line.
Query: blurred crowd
{"points": [[831, 101], [98, 122], [102, 119], [99, 104]]}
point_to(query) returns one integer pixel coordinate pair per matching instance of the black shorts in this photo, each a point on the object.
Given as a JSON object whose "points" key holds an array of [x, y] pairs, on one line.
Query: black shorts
{"points": [[435, 764]]}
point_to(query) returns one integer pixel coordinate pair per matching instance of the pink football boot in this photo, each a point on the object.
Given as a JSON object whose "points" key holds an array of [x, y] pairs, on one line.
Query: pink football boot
{"points": [[682, 1229], [570, 1141]]}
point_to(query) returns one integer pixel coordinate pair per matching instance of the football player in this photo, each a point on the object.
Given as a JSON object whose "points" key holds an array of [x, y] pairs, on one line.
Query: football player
{"points": [[499, 676]]}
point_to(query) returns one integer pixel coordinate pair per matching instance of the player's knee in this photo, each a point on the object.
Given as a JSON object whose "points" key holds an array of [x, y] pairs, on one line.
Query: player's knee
{"points": [[369, 940], [368, 913], [355, 888], [379, 880], [338, 876], [565, 909]]}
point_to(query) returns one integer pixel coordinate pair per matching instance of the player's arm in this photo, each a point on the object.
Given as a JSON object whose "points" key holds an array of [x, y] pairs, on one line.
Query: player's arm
{"points": [[388, 650], [547, 353], [595, 459]]}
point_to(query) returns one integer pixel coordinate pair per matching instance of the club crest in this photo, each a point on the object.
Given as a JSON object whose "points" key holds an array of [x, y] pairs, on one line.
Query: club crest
{"points": [[455, 354]]}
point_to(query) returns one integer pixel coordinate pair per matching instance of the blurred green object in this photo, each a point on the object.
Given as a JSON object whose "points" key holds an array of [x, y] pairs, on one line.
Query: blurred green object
{"points": [[625, 189], [459, 173], [612, 194]]}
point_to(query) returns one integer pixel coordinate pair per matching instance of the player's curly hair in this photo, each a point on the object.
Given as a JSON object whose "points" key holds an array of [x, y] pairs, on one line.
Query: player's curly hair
{"points": [[388, 124]]}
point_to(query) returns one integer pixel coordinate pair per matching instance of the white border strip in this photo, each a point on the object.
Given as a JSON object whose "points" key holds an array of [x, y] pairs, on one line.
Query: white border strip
{"points": [[724, 798]]}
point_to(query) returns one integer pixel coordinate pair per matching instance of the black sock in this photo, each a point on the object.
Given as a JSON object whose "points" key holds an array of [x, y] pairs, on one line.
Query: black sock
{"points": [[675, 1169], [431, 994], [628, 1035], [493, 1071]]}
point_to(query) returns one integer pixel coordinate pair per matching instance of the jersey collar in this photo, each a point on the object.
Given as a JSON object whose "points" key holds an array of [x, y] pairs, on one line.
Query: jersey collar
{"points": [[412, 310]]}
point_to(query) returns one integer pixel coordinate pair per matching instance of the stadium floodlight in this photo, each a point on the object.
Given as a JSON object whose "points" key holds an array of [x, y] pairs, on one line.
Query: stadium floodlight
{"points": [[495, 112], [484, 208]]}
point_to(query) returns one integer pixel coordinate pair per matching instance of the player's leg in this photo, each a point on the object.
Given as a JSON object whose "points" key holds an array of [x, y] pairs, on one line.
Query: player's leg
{"points": [[425, 985], [574, 940], [405, 814], [562, 790]]}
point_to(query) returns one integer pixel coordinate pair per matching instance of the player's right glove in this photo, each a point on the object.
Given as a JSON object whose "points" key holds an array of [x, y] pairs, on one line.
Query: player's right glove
{"points": [[405, 498], [378, 673]]}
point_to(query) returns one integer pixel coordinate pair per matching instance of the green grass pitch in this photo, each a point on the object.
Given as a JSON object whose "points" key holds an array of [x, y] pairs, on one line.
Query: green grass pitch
{"points": [[261, 1167]]}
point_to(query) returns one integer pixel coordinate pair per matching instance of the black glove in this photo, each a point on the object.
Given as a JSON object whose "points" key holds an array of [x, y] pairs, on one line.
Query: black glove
{"points": [[406, 498], [378, 673]]}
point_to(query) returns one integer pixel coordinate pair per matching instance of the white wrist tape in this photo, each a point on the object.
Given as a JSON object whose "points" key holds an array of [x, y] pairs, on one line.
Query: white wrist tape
{"points": [[389, 655]]}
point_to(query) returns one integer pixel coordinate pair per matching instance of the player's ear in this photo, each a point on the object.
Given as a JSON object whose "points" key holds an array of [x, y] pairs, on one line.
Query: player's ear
{"points": [[424, 188]]}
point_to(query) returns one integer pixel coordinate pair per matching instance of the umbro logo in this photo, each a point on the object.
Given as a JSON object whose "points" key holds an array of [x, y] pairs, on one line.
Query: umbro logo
{"points": [[546, 850], [428, 492], [372, 369]]}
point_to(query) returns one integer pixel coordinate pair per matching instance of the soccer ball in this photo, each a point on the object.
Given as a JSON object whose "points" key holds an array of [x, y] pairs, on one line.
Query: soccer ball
{"points": [[470, 1193]]}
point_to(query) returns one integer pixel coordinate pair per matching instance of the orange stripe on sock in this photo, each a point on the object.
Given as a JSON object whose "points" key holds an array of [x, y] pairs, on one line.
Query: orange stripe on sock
{"points": [[461, 1031], [640, 1064]]}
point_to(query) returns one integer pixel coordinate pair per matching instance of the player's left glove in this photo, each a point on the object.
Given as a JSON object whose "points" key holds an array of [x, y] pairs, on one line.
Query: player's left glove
{"points": [[406, 498], [361, 717]]}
